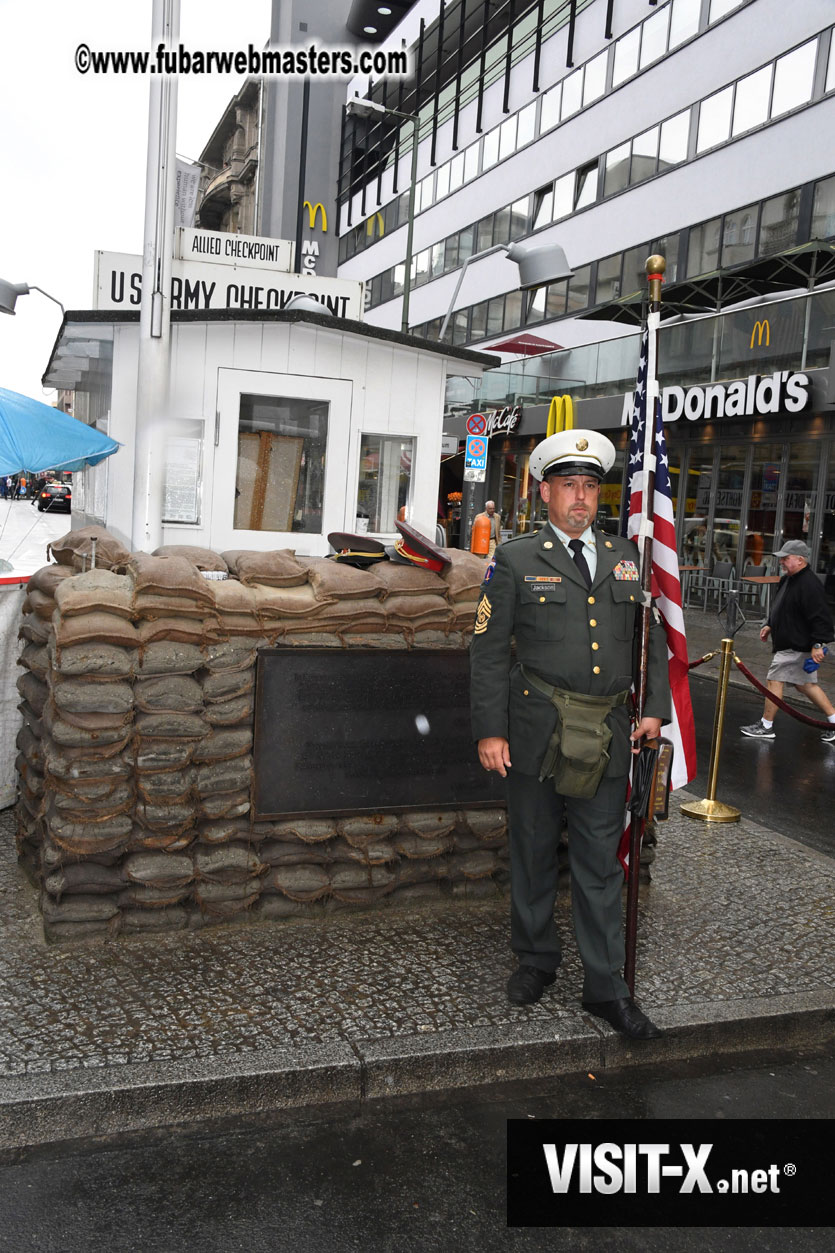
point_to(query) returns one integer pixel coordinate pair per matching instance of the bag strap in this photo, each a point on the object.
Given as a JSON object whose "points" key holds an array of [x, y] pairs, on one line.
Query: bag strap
{"points": [[557, 694]]}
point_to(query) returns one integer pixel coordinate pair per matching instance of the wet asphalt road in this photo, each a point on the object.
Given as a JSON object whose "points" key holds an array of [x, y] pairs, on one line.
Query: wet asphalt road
{"points": [[414, 1175], [787, 784]]}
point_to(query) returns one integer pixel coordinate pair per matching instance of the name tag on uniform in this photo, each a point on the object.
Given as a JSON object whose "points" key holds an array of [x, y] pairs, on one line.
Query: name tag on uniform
{"points": [[543, 578], [626, 570]]}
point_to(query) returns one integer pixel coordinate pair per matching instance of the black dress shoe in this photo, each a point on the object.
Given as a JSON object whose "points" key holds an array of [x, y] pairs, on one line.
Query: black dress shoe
{"points": [[526, 983], [624, 1016]]}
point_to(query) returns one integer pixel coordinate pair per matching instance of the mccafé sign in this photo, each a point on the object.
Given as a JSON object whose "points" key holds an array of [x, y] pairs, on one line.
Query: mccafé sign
{"points": [[784, 391]]}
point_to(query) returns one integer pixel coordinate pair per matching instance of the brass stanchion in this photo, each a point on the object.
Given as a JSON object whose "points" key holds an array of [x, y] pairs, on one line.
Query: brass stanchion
{"points": [[710, 809]]}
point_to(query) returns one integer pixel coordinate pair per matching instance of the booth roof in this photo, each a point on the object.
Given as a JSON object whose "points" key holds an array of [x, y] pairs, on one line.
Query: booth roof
{"points": [[82, 327]]}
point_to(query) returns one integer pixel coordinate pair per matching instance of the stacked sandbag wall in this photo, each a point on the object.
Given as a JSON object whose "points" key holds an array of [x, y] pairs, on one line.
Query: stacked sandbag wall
{"points": [[135, 749]]}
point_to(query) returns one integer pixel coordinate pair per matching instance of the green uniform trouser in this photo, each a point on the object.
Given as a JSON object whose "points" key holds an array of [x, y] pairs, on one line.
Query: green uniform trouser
{"points": [[535, 813]]}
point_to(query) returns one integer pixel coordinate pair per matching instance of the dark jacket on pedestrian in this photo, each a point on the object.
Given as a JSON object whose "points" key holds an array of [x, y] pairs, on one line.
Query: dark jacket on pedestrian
{"points": [[800, 615]]}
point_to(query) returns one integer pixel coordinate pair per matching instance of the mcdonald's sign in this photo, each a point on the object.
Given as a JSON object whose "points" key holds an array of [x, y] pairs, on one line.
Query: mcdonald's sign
{"points": [[312, 211], [376, 220], [560, 415], [760, 329]]}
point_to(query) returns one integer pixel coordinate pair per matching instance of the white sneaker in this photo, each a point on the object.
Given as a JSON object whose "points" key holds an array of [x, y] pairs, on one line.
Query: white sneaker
{"points": [[758, 732], [828, 737]]}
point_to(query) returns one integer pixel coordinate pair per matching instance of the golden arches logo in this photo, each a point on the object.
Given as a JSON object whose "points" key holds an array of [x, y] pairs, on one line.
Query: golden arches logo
{"points": [[312, 211], [376, 220], [560, 415], [760, 329]]}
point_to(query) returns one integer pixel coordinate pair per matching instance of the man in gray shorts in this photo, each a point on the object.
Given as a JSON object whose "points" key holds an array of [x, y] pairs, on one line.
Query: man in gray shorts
{"points": [[799, 625]]}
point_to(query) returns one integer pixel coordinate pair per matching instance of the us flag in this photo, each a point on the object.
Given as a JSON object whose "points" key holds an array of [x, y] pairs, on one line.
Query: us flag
{"points": [[666, 584]]}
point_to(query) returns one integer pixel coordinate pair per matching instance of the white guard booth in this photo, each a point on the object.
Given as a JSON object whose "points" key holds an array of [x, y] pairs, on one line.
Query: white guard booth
{"points": [[283, 425]]}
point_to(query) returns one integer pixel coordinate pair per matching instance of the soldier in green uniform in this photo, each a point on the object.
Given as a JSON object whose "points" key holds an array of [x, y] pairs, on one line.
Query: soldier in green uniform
{"points": [[555, 720]]}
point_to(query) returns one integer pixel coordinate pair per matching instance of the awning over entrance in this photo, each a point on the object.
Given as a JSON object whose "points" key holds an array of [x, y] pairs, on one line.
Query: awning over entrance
{"points": [[526, 345], [805, 266]]}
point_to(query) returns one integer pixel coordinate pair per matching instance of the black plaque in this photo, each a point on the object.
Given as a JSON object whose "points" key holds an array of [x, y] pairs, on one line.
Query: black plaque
{"points": [[354, 731]]}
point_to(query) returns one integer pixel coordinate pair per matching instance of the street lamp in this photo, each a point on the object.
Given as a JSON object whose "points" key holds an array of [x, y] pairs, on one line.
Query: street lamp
{"points": [[365, 108], [538, 264], [9, 293]]}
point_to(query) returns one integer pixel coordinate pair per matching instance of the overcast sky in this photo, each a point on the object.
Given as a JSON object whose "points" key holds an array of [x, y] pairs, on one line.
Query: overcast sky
{"points": [[74, 149]]}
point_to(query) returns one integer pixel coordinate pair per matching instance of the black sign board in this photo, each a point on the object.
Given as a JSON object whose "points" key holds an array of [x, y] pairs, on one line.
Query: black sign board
{"points": [[341, 731]]}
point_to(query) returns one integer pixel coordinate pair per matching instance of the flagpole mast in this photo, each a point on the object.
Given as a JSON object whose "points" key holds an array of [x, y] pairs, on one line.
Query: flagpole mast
{"points": [[655, 267]]}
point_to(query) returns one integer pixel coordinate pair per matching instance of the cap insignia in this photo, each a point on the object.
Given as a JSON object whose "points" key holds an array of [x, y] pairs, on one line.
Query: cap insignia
{"points": [[582, 445]]}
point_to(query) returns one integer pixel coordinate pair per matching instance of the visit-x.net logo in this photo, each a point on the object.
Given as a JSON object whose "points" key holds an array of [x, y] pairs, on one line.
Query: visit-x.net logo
{"points": [[665, 1172]]}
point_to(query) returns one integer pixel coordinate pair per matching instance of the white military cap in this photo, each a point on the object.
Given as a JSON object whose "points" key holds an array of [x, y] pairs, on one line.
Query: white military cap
{"points": [[573, 452]]}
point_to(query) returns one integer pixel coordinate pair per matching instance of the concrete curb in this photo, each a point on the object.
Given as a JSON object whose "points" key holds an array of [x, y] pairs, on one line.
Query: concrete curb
{"points": [[69, 1105]]}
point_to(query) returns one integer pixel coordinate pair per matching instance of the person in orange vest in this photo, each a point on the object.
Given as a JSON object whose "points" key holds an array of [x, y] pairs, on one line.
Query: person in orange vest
{"points": [[487, 531]]}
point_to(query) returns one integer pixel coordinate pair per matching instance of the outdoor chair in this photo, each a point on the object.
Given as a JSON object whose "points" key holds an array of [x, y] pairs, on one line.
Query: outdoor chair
{"points": [[720, 579], [752, 591]]}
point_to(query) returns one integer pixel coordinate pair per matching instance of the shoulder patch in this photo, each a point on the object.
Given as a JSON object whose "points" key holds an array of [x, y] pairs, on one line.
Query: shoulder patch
{"points": [[488, 573], [482, 617]]}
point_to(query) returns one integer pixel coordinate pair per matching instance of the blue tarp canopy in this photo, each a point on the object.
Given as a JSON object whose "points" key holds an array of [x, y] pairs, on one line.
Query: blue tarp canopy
{"points": [[34, 437]]}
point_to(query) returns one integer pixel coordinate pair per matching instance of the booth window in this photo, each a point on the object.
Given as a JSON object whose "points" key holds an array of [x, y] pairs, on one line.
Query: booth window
{"points": [[281, 464], [385, 476], [181, 497]]}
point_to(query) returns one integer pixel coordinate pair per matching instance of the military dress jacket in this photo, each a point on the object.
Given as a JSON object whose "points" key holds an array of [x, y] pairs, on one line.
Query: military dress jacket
{"points": [[574, 637]]}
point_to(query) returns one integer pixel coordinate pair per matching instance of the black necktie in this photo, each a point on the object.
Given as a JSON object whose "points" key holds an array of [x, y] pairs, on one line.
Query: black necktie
{"points": [[576, 546]]}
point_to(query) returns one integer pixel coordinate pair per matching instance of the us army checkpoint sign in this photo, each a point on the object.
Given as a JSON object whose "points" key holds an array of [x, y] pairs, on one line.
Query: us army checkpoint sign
{"points": [[475, 459]]}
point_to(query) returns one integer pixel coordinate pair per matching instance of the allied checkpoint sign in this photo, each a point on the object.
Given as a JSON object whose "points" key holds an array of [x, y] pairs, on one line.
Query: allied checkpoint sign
{"points": [[355, 731], [475, 459]]}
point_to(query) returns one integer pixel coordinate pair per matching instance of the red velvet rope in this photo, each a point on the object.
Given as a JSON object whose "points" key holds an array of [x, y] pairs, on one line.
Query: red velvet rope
{"points": [[781, 704], [691, 665]]}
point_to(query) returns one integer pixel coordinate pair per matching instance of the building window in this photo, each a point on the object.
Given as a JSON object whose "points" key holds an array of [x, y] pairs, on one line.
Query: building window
{"points": [[608, 279], [830, 71], [526, 128], [684, 21], [550, 114], [572, 93], [626, 56], [586, 185], [564, 196], [715, 119], [507, 137], [672, 149], [578, 290], [595, 81], [779, 222], [751, 103], [281, 464], [823, 210], [738, 236], [703, 249], [385, 476], [644, 155], [616, 172], [718, 8], [490, 149], [654, 37], [471, 162], [793, 77]]}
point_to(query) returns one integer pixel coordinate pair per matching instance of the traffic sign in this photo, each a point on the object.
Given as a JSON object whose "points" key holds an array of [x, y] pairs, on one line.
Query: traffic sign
{"points": [[476, 424], [475, 459]]}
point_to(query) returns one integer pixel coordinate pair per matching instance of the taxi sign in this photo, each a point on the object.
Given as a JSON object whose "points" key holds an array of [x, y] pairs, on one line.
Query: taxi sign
{"points": [[475, 459]]}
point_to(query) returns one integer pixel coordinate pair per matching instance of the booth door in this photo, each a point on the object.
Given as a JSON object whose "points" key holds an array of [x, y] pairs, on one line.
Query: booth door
{"points": [[280, 467]]}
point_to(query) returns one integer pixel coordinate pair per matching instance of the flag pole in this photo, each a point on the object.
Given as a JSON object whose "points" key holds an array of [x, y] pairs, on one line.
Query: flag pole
{"points": [[655, 267]]}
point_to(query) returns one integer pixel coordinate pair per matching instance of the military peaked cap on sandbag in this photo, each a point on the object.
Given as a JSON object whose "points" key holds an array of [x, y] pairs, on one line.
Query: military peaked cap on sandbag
{"points": [[356, 550], [573, 452], [414, 549]]}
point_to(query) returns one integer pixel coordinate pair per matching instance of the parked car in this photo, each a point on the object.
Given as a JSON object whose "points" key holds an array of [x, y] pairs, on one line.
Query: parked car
{"points": [[56, 497]]}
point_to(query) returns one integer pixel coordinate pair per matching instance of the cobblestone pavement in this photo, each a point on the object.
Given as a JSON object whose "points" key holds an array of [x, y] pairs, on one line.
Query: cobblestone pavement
{"points": [[735, 913]]}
